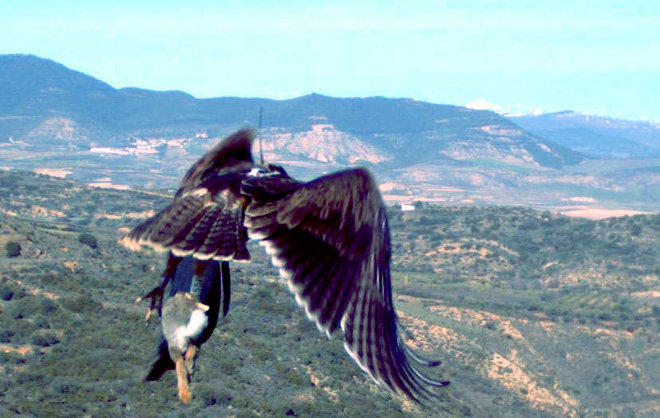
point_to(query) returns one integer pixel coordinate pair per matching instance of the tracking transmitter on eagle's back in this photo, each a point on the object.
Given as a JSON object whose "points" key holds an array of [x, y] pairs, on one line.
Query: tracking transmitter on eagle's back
{"points": [[329, 237]]}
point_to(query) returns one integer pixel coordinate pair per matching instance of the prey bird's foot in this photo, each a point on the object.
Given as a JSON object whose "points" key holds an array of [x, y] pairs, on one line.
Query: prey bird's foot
{"points": [[182, 380], [185, 395], [156, 296]]}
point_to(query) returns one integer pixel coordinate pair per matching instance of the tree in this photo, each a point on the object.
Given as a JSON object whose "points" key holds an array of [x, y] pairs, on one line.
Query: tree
{"points": [[635, 230]]}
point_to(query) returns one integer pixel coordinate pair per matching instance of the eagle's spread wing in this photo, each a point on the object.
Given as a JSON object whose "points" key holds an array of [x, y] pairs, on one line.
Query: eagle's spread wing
{"points": [[331, 239], [205, 218]]}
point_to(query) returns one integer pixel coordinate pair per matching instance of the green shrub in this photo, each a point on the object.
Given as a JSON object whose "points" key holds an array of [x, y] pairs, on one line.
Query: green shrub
{"points": [[64, 385], [81, 304], [21, 308], [88, 239], [41, 322], [44, 340], [13, 249], [6, 292], [5, 335], [48, 306]]}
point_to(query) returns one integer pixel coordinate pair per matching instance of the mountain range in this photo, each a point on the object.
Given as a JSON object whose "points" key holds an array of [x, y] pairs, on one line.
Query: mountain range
{"points": [[598, 137], [64, 122]]}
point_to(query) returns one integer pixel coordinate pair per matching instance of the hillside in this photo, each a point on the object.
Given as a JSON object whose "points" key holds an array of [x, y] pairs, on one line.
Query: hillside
{"points": [[532, 314]]}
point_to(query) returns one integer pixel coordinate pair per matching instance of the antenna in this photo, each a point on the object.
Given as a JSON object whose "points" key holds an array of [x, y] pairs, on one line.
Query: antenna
{"points": [[261, 118]]}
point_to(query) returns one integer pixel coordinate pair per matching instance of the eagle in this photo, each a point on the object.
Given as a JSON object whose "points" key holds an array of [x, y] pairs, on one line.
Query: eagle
{"points": [[329, 237]]}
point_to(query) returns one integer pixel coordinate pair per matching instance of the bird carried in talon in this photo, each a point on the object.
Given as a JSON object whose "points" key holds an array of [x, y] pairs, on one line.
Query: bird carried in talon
{"points": [[329, 237], [189, 316], [184, 319]]}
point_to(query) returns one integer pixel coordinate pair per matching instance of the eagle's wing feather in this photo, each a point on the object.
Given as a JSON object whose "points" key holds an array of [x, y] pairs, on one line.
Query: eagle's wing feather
{"points": [[189, 226], [331, 239], [170, 225], [201, 230], [205, 218]]}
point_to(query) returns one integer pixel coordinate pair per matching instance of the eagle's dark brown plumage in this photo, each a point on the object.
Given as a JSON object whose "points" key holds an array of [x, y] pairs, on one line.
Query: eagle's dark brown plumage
{"points": [[329, 237], [205, 218]]}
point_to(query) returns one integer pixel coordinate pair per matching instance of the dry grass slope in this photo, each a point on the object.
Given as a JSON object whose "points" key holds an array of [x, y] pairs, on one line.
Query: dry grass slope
{"points": [[533, 314]]}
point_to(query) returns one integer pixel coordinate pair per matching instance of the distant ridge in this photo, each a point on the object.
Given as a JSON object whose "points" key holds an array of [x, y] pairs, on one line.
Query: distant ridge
{"points": [[49, 102], [58, 120], [595, 135]]}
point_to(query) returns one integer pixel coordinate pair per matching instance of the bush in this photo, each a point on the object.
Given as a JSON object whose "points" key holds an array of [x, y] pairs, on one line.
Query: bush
{"points": [[21, 308], [81, 304], [41, 322], [88, 239], [66, 386], [13, 249], [44, 340], [48, 306], [6, 292], [5, 335]]}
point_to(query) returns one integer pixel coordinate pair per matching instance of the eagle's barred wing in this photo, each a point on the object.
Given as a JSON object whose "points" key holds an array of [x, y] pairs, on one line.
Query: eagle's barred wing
{"points": [[330, 238], [194, 226], [205, 218]]}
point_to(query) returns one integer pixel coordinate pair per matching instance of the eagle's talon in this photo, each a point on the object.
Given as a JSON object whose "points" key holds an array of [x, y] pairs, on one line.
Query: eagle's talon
{"points": [[156, 296]]}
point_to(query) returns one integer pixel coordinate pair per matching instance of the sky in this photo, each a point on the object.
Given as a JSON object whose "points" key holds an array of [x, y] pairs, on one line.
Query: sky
{"points": [[595, 57]]}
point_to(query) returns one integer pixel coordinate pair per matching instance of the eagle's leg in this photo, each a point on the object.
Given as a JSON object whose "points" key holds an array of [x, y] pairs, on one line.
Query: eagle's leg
{"points": [[197, 283], [156, 294]]}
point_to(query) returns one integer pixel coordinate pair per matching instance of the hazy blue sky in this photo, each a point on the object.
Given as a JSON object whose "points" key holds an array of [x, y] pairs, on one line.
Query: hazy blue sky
{"points": [[599, 57]]}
